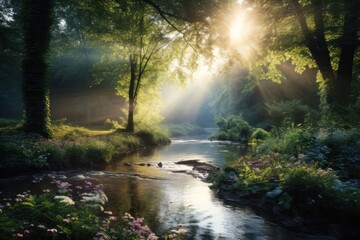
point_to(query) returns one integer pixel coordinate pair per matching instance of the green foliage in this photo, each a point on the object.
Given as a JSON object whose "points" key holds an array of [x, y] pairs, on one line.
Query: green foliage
{"points": [[153, 137], [260, 134], [67, 216], [309, 35], [71, 147], [310, 187], [294, 110], [9, 123], [289, 141], [29, 218], [307, 182], [185, 129], [340, 148], [111, 124], [233, 128]]}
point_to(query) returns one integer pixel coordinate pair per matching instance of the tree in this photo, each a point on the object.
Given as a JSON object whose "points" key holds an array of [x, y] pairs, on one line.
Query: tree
{"points": [[37, 18], [132, 57], [315, 33]]}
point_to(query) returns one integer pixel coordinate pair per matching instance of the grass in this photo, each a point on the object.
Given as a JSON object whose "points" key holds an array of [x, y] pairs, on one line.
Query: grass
{"points": [[70, 147], [311, 173]]}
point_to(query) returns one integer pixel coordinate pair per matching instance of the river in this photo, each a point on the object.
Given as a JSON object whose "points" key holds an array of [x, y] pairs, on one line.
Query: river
{"points": [[168, 199]]}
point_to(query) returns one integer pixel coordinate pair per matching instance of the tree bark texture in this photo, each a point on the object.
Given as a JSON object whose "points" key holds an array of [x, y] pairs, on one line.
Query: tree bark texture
{"points": [[338, 82], [132, 93], [37, 18]]}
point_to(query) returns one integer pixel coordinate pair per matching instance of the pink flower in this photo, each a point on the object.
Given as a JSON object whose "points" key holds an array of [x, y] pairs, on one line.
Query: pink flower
{"points": [[27, 231], [66, 220], [152, 236], [53, 230], [19, 235], [112, 218], [145, 229]]}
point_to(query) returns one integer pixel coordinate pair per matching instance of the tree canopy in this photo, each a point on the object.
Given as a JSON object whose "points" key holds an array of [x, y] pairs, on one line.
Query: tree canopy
{"points": [[133, 46]]}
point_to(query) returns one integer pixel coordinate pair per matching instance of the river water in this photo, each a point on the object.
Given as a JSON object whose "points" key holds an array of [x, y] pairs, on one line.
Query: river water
{"points": [[168, 199]]}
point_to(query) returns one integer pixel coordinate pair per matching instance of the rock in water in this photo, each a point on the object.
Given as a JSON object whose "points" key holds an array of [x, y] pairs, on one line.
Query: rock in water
{"points": [[274, 193]]}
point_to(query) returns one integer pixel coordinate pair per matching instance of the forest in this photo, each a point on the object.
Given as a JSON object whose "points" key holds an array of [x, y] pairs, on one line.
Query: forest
{"points": [[272, 85]]}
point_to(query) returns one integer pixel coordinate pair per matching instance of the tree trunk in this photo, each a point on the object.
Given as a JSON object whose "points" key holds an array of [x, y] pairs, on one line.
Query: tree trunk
{"points": [[36, 22], [342, 85], [130, 123], [133, 69], [338, 86]]}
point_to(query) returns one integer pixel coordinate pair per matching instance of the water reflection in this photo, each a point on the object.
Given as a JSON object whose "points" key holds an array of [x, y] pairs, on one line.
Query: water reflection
{"points": [[173, 200]]}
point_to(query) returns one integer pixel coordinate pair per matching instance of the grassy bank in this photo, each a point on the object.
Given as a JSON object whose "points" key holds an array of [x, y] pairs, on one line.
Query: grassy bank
{"points": [[307, 177], [70, 147]]}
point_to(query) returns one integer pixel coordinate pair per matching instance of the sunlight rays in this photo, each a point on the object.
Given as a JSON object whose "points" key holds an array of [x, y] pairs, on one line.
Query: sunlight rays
{"points": [[242, 30]]}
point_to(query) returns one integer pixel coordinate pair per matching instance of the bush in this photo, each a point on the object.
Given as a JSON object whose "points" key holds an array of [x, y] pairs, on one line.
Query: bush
{"points": [[186, 129], [293, 110], [9, 123], [292, 141], [153, 137], [111, 124], [233, 128], [260, 134], [309, 186]]}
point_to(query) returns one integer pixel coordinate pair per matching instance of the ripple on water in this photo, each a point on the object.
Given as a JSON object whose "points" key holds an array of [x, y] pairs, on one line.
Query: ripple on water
{"points": [[174, 200]]}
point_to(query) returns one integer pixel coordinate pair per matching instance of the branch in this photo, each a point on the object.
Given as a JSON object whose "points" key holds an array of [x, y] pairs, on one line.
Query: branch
{"points": [[317, 46], [309, 40], [164, 15]]}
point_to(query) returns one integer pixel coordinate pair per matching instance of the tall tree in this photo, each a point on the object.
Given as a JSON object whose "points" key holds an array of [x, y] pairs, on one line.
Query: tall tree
{"points": [[134, 41], [37, 18], [316, 33]]}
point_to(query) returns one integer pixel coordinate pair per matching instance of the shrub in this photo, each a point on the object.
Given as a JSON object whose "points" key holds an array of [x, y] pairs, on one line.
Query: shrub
{"points": [[310, 187], [293, 110], [98, 151], [292, 141], [260, 134], [186, 129], [111, 124], [153, 137], [233, 128], [9, 123]]}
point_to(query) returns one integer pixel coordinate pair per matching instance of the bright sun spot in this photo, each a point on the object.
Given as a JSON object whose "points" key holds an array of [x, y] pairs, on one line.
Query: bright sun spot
{"points": [[242, 30], [238, 28]]}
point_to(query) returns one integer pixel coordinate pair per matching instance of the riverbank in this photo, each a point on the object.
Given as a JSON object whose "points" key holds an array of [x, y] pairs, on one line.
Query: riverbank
{"points": [[70, 148], [297, 195], [305, 176], [330, 212]]}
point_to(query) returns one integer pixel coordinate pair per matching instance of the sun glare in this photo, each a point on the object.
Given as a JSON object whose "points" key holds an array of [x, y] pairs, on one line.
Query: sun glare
{"points": [[238, 29], [242, 30]]}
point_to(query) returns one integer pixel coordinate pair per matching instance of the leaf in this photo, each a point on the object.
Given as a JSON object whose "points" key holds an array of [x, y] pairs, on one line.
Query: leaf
{"points": [[28, 204]]}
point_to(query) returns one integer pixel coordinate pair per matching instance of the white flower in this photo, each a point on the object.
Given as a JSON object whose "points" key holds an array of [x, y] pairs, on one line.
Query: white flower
{"points": [[65, 199]]}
